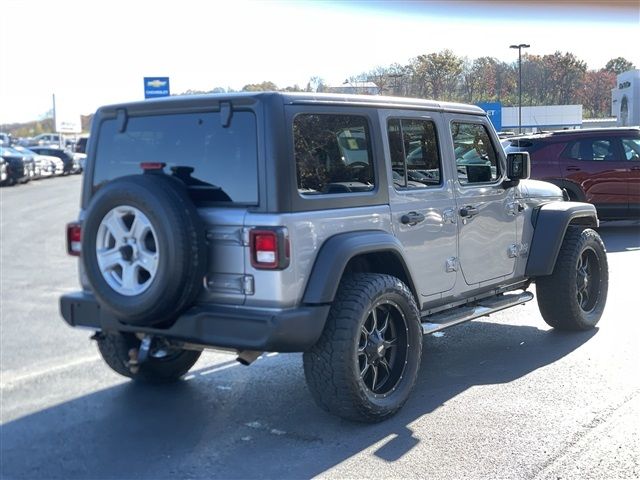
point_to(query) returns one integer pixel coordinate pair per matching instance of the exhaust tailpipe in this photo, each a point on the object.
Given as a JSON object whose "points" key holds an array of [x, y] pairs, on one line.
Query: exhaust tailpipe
{"points": [[247, 357]]}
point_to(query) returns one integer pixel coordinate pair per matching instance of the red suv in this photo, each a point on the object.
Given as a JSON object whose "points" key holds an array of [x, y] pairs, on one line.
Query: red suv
{"points": [[600, 166]]}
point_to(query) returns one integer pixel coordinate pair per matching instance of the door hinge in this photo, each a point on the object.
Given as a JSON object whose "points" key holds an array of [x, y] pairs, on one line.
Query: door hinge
{"points": [[452, 264], [248, 285], [519, 249], [513, 208], [449, 215]]}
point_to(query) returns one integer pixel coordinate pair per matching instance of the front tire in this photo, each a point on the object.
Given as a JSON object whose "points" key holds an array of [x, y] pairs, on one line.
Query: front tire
{"points": [[162, 366], [573, 297], [366, 361]]}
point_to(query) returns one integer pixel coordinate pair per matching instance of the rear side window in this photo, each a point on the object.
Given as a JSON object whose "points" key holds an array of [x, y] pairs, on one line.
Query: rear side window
{"points": [[413, 148], [332, 154], [218, 164], [631, 148], [590, 149], [476, 158]]}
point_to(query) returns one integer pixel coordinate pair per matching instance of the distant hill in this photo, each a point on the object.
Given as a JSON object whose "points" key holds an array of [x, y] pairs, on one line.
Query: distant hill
{"points": [[36, 127]]}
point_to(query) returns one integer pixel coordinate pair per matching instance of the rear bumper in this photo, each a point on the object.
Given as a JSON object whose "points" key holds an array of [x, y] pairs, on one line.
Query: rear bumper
{"points": [[290, 330]]}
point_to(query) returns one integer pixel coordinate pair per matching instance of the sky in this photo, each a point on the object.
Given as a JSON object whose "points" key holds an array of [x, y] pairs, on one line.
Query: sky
{"points": [[91, 53]]}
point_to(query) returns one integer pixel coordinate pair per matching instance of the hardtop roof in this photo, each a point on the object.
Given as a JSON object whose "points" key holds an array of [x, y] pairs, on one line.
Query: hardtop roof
{"points": [[295, 98]]}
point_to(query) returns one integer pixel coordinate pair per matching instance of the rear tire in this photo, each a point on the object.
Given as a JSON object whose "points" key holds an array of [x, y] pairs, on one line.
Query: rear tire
{"points": [[117, 348], [366, 361], [573, 297]]}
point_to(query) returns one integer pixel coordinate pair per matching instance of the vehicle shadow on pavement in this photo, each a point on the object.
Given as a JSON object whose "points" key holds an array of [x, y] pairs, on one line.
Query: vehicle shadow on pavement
{"points": [[259, 422], [620, 236]]}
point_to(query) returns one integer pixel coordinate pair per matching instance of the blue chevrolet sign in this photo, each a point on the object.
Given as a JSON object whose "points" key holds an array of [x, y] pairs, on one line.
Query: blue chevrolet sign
{"points": [[494, 112], [155, 87]]}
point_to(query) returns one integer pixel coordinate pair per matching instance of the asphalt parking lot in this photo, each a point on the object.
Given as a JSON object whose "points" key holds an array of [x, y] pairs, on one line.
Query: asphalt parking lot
{"points": [[503, 397]]}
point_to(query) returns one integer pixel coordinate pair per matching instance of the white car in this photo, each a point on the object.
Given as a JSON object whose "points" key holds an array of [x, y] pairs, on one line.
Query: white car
{"points": [[46, 139], [45, 165]]}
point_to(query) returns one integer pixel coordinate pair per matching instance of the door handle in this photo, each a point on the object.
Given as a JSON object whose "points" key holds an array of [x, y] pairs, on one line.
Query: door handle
{"points": [[468, 211], [412, 218], [573, 169], [635, 168]]}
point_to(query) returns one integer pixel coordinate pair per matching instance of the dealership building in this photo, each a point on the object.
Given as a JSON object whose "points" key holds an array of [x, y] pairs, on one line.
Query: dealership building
{"points": [[625, 99]]}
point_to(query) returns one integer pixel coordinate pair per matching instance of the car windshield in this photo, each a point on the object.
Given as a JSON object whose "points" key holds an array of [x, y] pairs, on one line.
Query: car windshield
{"points": [[25, 151], [10, 151]]}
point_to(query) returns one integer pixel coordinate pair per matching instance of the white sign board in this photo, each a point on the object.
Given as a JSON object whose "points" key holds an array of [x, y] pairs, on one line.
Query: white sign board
{"points": [[68, 123]]}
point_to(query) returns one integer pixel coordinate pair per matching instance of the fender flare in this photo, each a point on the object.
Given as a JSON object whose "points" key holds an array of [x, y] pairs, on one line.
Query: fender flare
{"points": [[335, 254], [551, 222]]}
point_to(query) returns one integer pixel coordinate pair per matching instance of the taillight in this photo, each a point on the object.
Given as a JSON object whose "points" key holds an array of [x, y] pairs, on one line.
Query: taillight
{"points": [[74, 238], [269, 248], [152, 166]]}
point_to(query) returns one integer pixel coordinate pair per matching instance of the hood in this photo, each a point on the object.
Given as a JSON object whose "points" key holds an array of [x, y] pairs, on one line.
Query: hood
{"points": [[539, 189]]}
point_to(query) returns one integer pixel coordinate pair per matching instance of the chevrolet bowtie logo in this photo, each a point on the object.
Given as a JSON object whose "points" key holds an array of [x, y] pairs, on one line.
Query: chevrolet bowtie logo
{"points": [[157, 83]]}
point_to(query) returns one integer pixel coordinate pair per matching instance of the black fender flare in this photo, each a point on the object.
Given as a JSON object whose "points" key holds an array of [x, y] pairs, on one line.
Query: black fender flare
{"points": [[335, 254], [550, 225]]}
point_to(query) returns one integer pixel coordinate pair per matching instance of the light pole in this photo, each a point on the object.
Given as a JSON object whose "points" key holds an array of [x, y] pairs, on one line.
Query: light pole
{"points": [[520, 47]]}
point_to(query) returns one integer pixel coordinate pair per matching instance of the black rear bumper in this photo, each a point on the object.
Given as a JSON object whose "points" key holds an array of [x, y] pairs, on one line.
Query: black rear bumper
{"points": [[290, 330]]}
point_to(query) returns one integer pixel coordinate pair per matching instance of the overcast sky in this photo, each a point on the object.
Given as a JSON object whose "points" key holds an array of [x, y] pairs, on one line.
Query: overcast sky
{"points": [[93, 53]]}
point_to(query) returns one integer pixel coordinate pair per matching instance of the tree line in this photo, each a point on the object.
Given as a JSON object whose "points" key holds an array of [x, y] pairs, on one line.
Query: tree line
{"points": [[554, 79]]}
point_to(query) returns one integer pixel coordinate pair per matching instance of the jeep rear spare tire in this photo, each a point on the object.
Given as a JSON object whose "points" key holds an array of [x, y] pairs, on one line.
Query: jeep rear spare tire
{"points": [[144, 248]]}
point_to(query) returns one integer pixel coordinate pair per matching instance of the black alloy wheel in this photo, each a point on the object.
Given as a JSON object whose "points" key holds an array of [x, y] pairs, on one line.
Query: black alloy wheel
{"points": [[383, 348], [365, 364]]}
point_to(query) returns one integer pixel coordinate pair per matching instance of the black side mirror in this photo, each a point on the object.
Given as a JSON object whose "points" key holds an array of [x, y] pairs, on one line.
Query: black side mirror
{"points": [[518, 166]]}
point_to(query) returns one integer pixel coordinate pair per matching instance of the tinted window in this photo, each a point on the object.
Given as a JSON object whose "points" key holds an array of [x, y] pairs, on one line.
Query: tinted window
{"points": [[332, 154], [81, 145], [476, 158], [591, 150], [218, 164], [413, 148], [631, 148]]}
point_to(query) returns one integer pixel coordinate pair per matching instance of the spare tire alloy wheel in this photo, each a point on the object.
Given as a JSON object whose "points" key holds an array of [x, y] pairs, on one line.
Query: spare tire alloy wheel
{"points": [[127, 250]]}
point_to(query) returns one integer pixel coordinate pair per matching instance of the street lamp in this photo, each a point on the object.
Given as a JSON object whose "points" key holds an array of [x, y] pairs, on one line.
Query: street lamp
{"points": [[520, 47]]}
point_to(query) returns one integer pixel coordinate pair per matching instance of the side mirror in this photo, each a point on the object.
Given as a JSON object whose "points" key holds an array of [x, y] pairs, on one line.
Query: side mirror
{"points": [[518, 166]]}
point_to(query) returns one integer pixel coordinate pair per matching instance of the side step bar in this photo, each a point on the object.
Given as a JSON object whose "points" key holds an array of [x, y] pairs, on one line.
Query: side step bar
{"points": [[487, 306]]}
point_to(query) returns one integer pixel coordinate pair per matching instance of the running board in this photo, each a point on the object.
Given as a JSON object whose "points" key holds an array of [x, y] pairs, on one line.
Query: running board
{"points": [[487, 306]]}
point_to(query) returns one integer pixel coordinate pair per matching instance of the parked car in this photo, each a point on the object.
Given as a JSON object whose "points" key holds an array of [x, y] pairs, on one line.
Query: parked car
{"points": [[46, 139], [5, 139], [45, 165], [81, 144], [599, 166], [4, 171], [71, 165], [20, 167], [299, 230]]}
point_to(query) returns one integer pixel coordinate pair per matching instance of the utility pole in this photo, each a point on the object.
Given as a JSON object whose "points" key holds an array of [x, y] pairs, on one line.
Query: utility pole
{"points": [[54, 113], [520, 47]]}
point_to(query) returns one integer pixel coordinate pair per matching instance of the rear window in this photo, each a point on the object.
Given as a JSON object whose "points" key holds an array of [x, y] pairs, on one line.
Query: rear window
{"points": [[333, 154], [218, 164]]}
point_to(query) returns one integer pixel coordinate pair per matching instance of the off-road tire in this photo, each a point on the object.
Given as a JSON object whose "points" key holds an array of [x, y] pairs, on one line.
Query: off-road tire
{"points": [[116, 350], [181, 243], [565, 301], [331, 366]]}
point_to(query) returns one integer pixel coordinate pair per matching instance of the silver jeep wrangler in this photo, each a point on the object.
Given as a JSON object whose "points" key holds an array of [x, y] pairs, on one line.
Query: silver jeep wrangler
{"points": [[344, 227]]}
